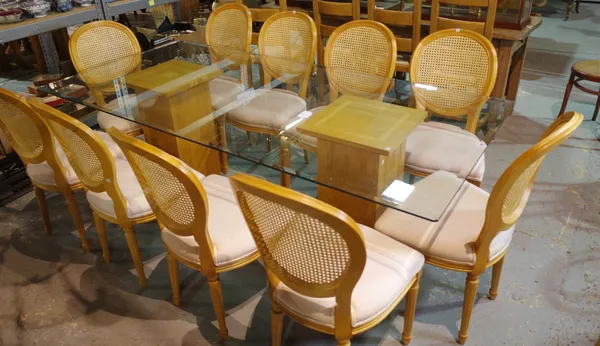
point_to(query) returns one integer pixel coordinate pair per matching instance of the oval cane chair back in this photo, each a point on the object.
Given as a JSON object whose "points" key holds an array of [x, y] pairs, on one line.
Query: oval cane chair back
{"points": [[229, 32], [88, 155], [510, 194], [29, 134], [461, 65], [360, 59], [312, 247], [287, 45], [260, 15], [20, 130], [485, 28], [173, 191], [104, 50], [399, 22]]}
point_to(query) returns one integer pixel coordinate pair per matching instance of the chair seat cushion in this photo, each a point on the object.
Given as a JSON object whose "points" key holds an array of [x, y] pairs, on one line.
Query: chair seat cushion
{"points": [[435, 146], [299, 137], [453, 237], [389, 270], [137, 205], [224, 89], [42, 173], [106, 120], [269, 109], [227, 227]]}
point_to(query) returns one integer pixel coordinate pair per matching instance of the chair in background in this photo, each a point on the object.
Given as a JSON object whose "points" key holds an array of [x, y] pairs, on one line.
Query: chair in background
{"points": [[453, 73], [112, 189], [324, 270], [286, 59], [201, 223], [102, 51], [340, 13], [46, 165], [400, 20], [475, 232], [485, 28], [360, 59]]}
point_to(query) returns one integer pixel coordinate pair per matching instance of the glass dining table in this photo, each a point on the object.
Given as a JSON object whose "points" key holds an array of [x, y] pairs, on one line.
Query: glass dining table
{"points": [[338, 134]]}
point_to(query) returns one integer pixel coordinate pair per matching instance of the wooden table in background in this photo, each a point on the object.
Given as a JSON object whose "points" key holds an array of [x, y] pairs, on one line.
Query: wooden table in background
{"points": [[511, 46], [361, 150], [179, 97]]}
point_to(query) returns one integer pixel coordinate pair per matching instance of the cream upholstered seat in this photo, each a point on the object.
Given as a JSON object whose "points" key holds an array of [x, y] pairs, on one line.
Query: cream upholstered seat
{"points": [[435, 146], [324, 270], [453, 237], [107, 120], [306, 141], [226, 225], [390, 268], [270, 109], [223, 90]]}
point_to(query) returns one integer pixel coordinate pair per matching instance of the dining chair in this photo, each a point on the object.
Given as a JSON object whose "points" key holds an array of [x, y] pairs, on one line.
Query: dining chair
{"points": [[406, 27], [48, 169], [324, 270], [360, 59], [46, 163], [453, 73], [228, 35], [202, 225], [102, 51], [475, 231], [329, 15], [287, 45], [112, 189], [485, 28]]}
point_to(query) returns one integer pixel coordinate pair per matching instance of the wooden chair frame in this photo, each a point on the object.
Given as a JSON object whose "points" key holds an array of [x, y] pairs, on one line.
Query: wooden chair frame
{"points": [[400, 19], [331, 8], [342, 287], [472, 110], [335, 89], [302, 80], [99, 88], [198, 228], [108, 184], [49, 155], [440, 23], [495, 218]]}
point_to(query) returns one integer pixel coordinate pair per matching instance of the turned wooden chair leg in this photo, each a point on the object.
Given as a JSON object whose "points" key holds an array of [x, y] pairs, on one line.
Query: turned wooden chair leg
{"points": [[269, 143], [217, 298], [76, 215], [411, 308], [102, 235], [596, 109], [345, 342], [40, 195], [496, 272], [567, 94], [276, 325], [135, 255], [469, 301], [174, 276], [250, 139], [306, 158], [284, 160], [221, 137]]}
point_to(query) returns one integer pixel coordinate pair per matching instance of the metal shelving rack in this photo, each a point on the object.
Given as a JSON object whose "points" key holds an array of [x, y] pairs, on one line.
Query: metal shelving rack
{"points": [[55, 20]]}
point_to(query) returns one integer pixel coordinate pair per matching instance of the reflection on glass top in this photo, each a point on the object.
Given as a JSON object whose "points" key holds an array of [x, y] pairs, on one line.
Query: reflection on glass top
{"points": [[338, 129]]}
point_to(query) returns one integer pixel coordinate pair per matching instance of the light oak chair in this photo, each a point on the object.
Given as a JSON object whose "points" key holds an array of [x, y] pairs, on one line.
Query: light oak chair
{"points": [[485, 28], [324, 270], [287, 59], [201, 222], [400, 21], [112, 189], [360, 59], [46, 163], [475, 231], [453, 73], [102, 51], [329, 15]]}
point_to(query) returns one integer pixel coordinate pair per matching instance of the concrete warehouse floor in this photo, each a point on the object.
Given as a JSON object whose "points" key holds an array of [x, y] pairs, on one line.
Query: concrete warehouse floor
{"points": [[52, 293]]}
